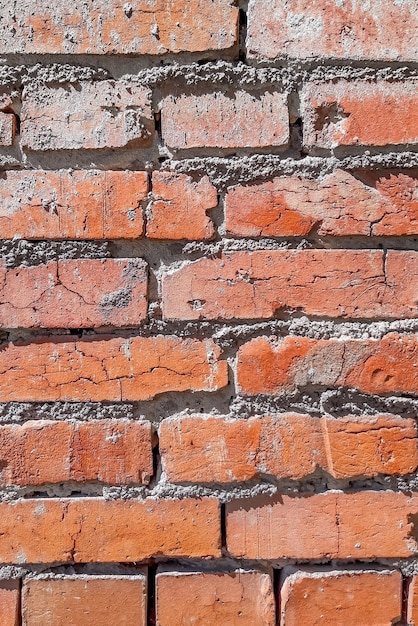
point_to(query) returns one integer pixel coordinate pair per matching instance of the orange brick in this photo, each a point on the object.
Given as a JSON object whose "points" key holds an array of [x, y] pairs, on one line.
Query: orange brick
{"points": [[7, 129], [339, 114], [113, 27], [370, 445], [217, 449], [85, 601], [330, 29], [365, 525], [342, 203], [341, 598], [412, 602], [236, 598], [218, 120], [91, 530], [106, 114], [10, 602], [179, 207], [261, 284], [377, 367], [138, 368], [72, 204], [82, 293], [109, 451]]}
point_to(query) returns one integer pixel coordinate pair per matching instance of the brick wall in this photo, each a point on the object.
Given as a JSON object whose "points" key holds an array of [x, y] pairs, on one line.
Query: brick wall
{"points": [[208, 313]]}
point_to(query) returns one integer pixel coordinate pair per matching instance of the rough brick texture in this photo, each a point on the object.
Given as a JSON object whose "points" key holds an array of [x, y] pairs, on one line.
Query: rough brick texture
{"points": [[72, 204], [382, 203], [339, 114], [85, 601], [179, 207], [7, 129], [380, 367], [214, 449], [219, 120], [94, 115], [140, 27], [341, 598], [233, 598], [208, 312], [262, 284], [137, 368], [10, 602], [74, 294], [333, 525], [44, 451], [90, 530], [377, 30]]}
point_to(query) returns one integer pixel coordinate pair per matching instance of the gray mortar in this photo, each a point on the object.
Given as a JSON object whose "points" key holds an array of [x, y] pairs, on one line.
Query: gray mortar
{"points": [[224, 172], [18, 252], [12, 77]]}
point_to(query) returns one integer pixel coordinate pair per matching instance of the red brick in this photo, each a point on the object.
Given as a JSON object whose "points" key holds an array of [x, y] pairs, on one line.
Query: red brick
{"points": [[82, 293], [106, 114], [114, 27], [218, 120], [85, 601], [340, 114], [10, 602], [261, 284], [138, 368], [215, 449], [365, 525], [235, 598], [179, 207], [89, 530], [370, 445], [111, 451], [341, 598], [342, 203], [72, 204], [412, 602], [209, 449], [330, 29], [376, 367], [7, 129]]}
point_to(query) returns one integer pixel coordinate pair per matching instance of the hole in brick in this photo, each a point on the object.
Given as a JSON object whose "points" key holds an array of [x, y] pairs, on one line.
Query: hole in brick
{"points": [[151, 617], [223, 528], [242, 34]]}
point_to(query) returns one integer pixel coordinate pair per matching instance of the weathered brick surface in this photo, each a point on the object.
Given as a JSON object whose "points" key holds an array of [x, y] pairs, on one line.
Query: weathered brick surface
{"points": [[107, 114], [89, 530], [341, 598], [72, 204], [376, 367], [80, 293], [412, 604], [85, 601], [179, 207], [7, 129], [339, 114], [363, 525], [10, 602], [138, 27], [205, 449], [136, 368], [377, 30], [262, 284], [219, 120], [235, 598], [44, 451], [381, 203]]}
